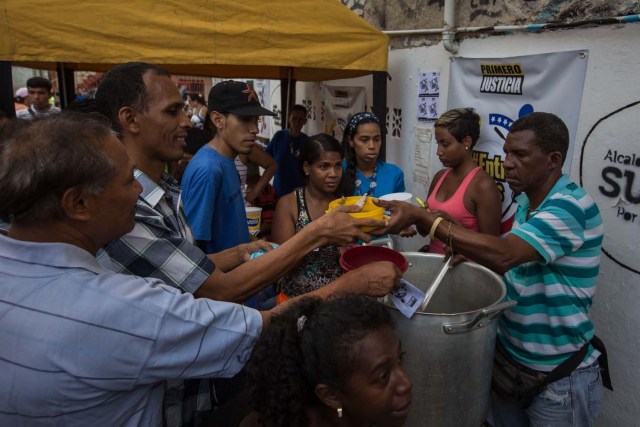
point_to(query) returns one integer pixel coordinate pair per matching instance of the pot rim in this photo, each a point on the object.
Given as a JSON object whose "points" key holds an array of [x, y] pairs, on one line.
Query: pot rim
{"points": [[388, 303]]}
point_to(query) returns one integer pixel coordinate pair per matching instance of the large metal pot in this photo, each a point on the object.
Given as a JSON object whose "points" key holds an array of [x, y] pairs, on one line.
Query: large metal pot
{"points": [[449, 349]]}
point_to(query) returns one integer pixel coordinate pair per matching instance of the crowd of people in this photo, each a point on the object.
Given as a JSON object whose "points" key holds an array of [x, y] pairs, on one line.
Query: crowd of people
{"points": [[130, 282]]}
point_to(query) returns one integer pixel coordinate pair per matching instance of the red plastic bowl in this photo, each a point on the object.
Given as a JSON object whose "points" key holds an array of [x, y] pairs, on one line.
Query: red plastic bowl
{"points": [[358, 256]]}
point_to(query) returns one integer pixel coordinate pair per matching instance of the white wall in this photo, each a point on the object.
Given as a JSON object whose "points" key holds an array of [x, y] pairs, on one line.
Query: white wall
{"points": [[612, 82]]}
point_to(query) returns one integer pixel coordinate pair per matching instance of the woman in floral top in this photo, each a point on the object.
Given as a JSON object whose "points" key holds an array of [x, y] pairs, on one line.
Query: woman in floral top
{"points": [[321, 164]]}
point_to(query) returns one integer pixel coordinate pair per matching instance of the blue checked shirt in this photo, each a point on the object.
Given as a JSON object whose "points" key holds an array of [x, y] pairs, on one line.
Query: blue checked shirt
{"points": [[161, 245]]}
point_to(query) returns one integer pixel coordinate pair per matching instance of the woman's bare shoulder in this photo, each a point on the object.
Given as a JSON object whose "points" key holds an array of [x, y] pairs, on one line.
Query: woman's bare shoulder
{"points": [[483, 181], [288, 201]]}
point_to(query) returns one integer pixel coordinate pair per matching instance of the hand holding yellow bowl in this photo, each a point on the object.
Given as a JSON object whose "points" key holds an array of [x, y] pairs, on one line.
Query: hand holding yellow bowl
{"points": [[369, 210]]}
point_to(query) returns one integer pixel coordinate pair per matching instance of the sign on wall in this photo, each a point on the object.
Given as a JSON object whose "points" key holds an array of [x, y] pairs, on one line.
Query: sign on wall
{"points": [[610, 172], [429, 96], [501, 90]]}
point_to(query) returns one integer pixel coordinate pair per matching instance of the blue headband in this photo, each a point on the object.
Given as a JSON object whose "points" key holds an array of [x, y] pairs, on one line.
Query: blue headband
{"points": [[359, 118]]}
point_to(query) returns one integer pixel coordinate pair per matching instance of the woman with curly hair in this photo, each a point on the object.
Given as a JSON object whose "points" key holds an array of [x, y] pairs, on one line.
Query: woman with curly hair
{"points": [[364, 173], [325, 363]]}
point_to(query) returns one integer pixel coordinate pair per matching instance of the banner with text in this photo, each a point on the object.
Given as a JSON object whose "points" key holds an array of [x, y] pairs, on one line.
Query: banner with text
{"points": [[501, 90]]}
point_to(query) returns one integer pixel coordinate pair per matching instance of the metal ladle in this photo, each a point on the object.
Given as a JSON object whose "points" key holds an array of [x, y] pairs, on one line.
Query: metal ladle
{"points": [[434, 285]]}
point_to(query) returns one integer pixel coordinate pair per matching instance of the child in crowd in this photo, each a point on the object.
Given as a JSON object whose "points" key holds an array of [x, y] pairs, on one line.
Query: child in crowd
{"points": [[261, 159]]}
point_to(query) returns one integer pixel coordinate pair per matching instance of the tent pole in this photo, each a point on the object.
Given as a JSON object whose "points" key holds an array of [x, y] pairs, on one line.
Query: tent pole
{"points": [[286, 97], [66, 84], [6, 89], [379, 106]]}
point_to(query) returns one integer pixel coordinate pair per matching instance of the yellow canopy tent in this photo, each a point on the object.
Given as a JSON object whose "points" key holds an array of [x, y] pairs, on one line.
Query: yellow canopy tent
{"points": [[308, 40]]}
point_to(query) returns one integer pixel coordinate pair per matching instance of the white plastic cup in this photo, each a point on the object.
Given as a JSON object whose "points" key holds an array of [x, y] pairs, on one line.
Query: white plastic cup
{"points": [[401, 197], [253, 218]]}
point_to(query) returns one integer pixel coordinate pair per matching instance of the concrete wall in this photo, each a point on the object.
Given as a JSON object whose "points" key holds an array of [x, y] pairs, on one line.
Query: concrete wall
{"points": [[411, 14], [606, 143], [414, 14]]}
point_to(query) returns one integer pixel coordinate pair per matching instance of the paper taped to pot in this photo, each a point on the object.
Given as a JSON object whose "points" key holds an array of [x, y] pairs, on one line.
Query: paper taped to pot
{"points": [[502, 90], [407, 298], [340, 103]]}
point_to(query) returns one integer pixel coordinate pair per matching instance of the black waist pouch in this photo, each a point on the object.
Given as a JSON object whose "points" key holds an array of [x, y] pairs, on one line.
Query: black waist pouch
{"points": [[513, 381]]}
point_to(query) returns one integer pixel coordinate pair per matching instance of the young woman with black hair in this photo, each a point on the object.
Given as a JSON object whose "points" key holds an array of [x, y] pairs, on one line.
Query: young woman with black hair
{"points": [[329, 363], [364, 172], [320, 162]]}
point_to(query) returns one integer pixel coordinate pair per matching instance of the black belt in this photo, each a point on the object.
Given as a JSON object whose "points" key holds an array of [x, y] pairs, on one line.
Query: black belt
{"points": [[569, 365], [603, 361]]}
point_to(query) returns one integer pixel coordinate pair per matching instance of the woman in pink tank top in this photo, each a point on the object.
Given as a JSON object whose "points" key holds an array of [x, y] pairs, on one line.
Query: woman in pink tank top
{"points": [[462, 191]]}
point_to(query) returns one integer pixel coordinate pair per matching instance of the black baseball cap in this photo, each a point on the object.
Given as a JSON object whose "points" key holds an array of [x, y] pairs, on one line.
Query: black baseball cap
{"points": [[235, 97]]}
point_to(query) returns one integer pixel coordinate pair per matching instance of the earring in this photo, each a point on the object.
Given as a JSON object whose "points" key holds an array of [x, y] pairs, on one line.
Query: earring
{"points": [[339, 412], [466, 147]]}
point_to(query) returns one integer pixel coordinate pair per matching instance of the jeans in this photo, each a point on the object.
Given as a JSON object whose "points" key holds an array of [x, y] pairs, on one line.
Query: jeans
{"points": [[573, 401]]}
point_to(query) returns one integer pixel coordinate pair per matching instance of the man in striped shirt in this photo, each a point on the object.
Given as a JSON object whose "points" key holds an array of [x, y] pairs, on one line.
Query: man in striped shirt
{"points": [[550, 262]]}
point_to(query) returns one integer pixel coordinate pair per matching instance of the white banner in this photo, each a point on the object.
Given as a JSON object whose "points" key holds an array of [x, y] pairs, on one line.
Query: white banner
{"points": [[341, 102], [502, 90]]}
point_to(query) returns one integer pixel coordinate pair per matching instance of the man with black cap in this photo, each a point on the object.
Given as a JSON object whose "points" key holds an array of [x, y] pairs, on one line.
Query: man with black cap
{"points": [[210, 185]]}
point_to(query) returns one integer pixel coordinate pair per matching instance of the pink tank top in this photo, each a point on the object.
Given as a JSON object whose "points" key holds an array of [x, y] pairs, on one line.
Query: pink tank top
{"points": [[454, 206]]}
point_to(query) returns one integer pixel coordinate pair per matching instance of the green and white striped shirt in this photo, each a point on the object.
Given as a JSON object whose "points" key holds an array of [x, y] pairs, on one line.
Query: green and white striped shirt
{"points": [[554, 295]]}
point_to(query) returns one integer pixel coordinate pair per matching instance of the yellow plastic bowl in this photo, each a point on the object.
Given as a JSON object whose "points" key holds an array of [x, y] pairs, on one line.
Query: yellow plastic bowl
{"points": [[369, 210]]}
